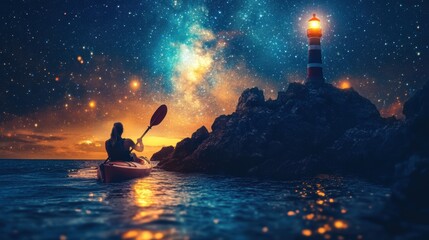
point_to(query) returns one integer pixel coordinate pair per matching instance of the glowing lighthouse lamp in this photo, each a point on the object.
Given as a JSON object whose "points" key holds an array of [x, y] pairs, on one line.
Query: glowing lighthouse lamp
{"points": [[314, 66]]}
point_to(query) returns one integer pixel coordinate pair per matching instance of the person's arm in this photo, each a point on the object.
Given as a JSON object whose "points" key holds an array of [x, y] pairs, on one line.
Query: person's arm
{"points": [[139, 146]]}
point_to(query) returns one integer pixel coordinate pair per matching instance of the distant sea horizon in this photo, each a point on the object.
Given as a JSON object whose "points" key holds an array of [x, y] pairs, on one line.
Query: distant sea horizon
{"points": [[47, 159]]}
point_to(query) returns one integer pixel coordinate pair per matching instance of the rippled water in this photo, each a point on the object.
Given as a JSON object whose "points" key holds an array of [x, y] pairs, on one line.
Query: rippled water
{"points": [[63, 200]]}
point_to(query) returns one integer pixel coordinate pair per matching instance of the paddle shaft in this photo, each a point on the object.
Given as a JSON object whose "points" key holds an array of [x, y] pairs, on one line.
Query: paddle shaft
{"points": [[147, 130]]}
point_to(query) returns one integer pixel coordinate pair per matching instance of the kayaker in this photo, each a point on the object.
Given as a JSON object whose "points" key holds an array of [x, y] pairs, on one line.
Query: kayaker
{"points": [[119, 149]]}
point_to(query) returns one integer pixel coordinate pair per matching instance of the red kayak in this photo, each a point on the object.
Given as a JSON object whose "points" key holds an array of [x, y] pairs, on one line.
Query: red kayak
{"points": [[120, 170]]}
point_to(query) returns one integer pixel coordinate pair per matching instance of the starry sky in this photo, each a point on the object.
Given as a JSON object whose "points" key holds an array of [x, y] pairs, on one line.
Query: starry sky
{"points": [[70, 69]]}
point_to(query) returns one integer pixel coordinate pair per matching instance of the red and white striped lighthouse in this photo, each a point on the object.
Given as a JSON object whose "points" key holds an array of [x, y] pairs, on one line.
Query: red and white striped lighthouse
{"points": [[314, 66]]}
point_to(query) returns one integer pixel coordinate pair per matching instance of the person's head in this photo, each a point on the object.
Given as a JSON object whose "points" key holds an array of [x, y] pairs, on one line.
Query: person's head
{"points": [[117, 131]]}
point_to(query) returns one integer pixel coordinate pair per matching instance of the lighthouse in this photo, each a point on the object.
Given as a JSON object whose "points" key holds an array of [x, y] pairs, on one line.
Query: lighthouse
{"points": [[314, 65]]}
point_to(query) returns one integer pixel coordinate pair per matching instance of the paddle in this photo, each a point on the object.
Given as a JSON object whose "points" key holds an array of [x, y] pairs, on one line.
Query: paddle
{"points": [[157, 118]]}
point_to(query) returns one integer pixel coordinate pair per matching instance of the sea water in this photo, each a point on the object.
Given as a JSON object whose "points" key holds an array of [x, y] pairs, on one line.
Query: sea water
{"points": [[62, 199]]}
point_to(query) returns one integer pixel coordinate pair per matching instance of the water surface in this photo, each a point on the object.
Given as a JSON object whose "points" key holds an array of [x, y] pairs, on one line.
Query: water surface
{"points": [[62, 200]]}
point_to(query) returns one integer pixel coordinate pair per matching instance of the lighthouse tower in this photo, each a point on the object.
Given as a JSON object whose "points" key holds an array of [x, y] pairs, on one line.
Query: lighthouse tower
{"points": [[314, 66]]}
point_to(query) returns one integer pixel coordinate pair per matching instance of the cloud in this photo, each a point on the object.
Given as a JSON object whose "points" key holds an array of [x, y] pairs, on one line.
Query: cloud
{"points": [[28, 138], [90, 146]]}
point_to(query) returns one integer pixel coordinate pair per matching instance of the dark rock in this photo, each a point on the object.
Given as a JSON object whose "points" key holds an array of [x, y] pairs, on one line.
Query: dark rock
{"points": [[371, 151], [200, 135], [418, 105], [416, 111], [162, 154], [285, 135], [252, 97], [187, 146], [184, 148], [406, 213], [220, 122], [408, 193]]}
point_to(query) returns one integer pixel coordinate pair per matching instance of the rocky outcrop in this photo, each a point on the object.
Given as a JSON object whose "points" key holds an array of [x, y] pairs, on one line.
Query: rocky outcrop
{"points": [[406, 212], [371, 152], [163, 154], [416, 111], [187, 146], [306, 131], [283, 138], [376, 151]]}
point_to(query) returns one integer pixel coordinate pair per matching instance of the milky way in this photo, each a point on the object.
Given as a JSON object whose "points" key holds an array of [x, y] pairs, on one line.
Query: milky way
{"points": [[72, 68]]}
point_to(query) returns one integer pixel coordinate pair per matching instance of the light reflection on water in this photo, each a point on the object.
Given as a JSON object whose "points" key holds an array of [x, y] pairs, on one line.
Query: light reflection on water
{"points": [[320, 207], [186, 206]]}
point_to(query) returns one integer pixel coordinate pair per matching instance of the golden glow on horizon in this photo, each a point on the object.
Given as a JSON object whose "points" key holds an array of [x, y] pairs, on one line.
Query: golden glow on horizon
{"points": [[85, 142], [160, 141]]}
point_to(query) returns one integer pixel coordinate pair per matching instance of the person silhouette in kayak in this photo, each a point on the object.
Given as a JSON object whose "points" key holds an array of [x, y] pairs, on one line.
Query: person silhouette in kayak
{"points": [[118, 148]]}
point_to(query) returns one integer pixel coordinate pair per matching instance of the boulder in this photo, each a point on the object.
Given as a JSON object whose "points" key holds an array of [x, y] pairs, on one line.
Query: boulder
{"points": [[162, 154]]}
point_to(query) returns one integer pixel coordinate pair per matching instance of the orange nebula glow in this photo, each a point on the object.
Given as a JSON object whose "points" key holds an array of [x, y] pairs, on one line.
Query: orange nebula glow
{"points": [[394, 109]]}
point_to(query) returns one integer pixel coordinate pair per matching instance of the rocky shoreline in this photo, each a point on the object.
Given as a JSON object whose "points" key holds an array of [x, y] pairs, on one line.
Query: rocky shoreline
{"points": [[311, 130], [304, 132]]}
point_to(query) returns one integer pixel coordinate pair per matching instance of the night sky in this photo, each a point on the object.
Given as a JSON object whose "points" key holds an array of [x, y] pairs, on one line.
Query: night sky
{"points": [[70, 69]]}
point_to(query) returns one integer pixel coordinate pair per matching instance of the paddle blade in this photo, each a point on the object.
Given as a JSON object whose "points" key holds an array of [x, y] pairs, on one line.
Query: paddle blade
{"points": [[159, 115]]}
